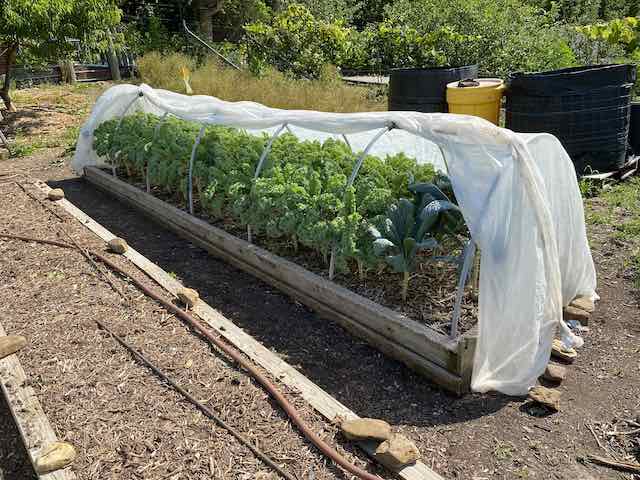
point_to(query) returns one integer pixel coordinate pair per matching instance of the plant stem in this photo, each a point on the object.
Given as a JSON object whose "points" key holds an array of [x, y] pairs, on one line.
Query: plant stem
{"points": [[332, 262], [360, 269], [405, 285]]}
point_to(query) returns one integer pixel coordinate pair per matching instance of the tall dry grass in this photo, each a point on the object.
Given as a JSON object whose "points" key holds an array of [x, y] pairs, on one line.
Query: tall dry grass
{"points": [[276, 90]]}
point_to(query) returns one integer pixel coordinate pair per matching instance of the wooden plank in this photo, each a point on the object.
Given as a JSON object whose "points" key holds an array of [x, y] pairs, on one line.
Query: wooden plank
{"points": [[320, 400], [33, 424], [418, 338], [466, 353]]}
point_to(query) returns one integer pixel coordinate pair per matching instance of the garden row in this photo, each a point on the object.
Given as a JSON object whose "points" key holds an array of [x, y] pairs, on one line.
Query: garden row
{"points": [[390, 212]]}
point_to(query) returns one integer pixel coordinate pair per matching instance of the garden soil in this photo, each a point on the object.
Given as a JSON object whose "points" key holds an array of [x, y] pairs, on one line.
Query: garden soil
{"points": [[125, 424]]}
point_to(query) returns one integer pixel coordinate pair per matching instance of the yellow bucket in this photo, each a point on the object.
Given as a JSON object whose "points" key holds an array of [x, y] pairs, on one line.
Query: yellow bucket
{"points": [[481, 100]]}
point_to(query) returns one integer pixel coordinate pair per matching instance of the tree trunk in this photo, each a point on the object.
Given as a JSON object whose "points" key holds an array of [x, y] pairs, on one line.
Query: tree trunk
{"points": [[4, 93], [206, 10]]}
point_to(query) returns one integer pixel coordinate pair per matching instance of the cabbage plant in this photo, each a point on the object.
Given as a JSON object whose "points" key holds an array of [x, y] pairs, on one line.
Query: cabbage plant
{"points": [[410, 227]]}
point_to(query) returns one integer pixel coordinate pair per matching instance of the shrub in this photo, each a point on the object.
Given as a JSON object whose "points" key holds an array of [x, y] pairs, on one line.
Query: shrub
{"points": [[385, 45], [504, 35], [295, 41]]}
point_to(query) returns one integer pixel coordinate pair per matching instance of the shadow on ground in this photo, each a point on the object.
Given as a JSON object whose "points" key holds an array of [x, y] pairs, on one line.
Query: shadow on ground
{"points": [[352, 372]]}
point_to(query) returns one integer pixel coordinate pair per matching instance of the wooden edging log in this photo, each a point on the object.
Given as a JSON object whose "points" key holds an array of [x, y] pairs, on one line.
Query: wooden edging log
{"points": [[38, 436], [320, 400], [445, 361]]}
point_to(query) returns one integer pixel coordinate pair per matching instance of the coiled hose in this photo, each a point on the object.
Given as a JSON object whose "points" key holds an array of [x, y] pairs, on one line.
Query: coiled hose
{"points": [[230, 351]]}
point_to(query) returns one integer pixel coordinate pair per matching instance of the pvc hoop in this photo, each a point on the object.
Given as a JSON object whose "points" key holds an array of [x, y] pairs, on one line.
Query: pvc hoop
{"points": [[191, 162], [364, 153], [346, 140], [469, 254]]}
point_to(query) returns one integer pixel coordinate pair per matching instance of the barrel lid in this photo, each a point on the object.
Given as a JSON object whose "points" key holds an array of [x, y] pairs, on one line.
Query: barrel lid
{"points": [[475, 84]]}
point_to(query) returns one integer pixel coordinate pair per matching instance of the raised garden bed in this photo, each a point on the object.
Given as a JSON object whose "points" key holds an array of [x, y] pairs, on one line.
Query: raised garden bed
{"points": [[446, 361]]}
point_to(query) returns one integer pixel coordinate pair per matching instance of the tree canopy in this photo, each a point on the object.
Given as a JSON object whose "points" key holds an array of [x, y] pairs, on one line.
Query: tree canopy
{"points": [[46, 26]]}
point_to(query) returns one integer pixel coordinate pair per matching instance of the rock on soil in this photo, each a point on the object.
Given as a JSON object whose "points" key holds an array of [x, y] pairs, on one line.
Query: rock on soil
{"points": [[55, 194], [188, 296], [546, 396], [583, 303], [118, 245], [366, 429], [11, 344], [574, 313], [56, 456], [554, 373], [397, 452]]}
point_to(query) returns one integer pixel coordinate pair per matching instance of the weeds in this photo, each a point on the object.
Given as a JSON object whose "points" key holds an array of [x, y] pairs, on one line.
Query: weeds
{"points": [[20, 150], [502, 450], [273, 89], [589, 187], [618, 207]]}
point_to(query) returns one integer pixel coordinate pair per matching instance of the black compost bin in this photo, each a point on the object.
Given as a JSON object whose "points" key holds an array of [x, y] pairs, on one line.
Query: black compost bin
{"points": [[634, 129], [424, 89], [587, 108]]}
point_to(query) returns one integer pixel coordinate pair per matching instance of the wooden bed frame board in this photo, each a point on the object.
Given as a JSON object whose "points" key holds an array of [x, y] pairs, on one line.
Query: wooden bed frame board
{"points": [[33, 424], [320, 400], [446, 361]]}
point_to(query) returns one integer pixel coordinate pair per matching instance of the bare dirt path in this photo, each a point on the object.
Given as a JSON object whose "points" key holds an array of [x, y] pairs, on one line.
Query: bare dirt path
{"points": [[474, 437]]}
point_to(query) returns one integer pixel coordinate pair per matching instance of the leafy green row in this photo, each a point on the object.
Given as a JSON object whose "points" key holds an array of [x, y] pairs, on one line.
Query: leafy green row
{"points": [[300, 195]]}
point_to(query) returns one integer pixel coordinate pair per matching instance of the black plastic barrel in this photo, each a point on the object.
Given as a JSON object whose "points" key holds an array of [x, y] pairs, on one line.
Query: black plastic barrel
{"points": [[634, 128], [424, 89], [587, 108]]}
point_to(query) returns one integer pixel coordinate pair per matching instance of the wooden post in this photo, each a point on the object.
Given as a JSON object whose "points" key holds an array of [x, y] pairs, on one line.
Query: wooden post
{"points": [[12, 52], [68, 72]]}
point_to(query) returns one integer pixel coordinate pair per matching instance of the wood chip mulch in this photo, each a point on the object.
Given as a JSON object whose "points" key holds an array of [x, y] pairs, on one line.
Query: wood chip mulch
{"points": [[122, 420]]}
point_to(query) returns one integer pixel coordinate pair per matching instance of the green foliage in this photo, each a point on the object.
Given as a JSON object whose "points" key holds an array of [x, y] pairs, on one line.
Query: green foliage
{"points": [[295, 41], [44, 26], [384, 46], [410, 227], [504, 35], [151, 35], [589, 11], [330, 10], [300, 196], [234, 14], [501, 36], [622, 31]]}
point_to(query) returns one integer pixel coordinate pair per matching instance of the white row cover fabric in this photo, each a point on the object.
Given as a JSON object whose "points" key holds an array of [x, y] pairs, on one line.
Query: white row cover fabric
{"points": [[518, 193]]}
